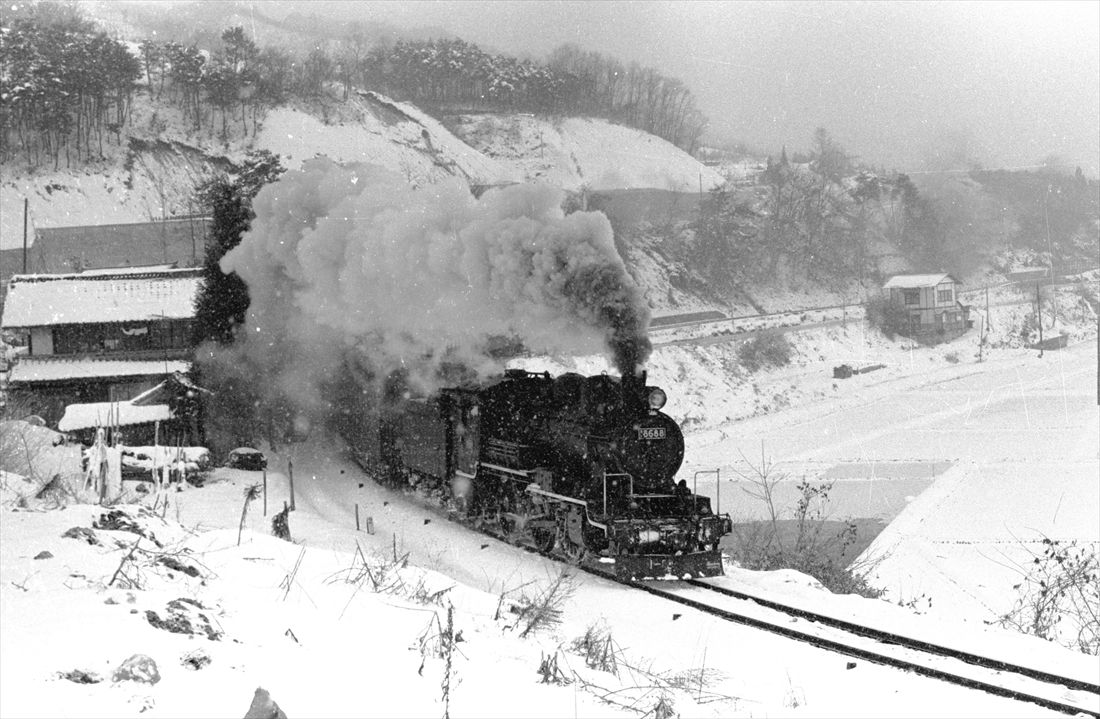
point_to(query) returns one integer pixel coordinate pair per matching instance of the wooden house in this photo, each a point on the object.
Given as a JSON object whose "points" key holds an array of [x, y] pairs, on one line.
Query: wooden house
{"points": [[932, 304], [99, 335]]}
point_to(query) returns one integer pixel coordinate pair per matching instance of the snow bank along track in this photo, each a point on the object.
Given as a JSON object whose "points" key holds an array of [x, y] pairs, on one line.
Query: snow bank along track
{"points": [[998, 677], [994, 676]]}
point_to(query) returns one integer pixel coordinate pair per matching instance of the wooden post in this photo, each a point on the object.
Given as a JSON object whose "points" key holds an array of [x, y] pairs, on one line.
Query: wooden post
{"points": [[290, 472], [356, 516], [981, 336], [265, 491], [1039, 316]]}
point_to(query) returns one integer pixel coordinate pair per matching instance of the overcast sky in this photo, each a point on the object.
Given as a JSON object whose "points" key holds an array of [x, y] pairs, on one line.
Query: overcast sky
{"points": [[892, 81]]}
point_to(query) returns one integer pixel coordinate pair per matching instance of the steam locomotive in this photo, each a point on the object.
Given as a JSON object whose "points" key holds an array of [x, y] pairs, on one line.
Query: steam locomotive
{"points": [[582, 467]]}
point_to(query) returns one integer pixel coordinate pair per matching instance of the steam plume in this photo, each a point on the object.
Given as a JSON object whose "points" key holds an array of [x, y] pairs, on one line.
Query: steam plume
{"points": [[351, 258]]}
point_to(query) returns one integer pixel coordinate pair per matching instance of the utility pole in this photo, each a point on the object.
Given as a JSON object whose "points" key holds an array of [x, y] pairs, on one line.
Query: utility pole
{"points": [[25, 211]]}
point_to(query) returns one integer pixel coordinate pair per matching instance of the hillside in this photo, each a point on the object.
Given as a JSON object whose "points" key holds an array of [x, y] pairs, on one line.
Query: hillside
{"points": [[154, 170], [577, 152]]}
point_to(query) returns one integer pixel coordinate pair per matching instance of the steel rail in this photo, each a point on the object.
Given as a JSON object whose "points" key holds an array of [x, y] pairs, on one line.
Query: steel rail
{"points": [[868, 655], [918, 644]]}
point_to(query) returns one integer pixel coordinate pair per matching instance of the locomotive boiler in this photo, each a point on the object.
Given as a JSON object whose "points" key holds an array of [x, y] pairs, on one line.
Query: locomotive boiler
{"points": [[579, 466]]}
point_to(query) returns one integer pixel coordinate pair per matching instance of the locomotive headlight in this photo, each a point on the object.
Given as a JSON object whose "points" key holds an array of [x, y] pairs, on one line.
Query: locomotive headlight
{"points": [[657, 398]]}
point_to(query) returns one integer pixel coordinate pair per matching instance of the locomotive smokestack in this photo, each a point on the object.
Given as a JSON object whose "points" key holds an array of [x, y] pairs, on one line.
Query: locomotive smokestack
{"points": [[633, 385]]}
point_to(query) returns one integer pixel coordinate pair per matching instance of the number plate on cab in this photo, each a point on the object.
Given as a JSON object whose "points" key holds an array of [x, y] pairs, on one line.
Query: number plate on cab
{"points": [[651, 433]]}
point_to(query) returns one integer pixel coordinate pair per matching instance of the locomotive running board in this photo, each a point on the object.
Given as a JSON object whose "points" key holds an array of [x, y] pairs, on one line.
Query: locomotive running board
{"points": [[662, 566]]}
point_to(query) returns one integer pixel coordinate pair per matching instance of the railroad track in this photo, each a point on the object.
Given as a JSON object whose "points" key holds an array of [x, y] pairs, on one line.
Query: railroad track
{"points": [[1001, 678], [994, 676], [757, 317]]}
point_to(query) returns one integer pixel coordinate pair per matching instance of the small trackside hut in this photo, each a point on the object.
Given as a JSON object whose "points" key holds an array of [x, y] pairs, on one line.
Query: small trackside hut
{"points": [[931, 302]]}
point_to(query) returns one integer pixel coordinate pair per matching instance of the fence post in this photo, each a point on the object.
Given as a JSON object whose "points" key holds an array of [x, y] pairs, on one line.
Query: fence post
{"points": [[265, 491], [290, 472]]}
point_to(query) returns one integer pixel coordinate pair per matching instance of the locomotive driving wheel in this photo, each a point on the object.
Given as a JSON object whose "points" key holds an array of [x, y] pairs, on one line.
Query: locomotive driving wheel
{"points": [[571, 551], [570, 536], [545, 539]]}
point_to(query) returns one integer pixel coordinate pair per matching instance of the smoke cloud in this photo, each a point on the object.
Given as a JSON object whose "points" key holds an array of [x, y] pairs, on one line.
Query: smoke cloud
{"points": [[350, 258]]}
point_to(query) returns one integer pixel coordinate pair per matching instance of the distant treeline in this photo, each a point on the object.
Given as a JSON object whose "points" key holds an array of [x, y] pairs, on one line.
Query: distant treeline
{"points": [[64, 87], [67, 87], [452, 72]]}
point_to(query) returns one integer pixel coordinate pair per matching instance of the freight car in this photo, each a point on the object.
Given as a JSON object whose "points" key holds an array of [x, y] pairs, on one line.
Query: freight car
{"points": [[579, 466]]}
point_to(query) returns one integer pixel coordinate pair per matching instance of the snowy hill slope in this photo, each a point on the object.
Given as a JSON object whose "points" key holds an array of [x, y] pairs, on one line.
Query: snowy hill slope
{"points": [[161, 158], [154, 171], [371, 128], [577, 152]]}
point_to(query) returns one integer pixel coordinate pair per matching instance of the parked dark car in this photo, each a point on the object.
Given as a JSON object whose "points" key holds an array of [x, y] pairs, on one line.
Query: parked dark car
{"points": [[246, 458]]}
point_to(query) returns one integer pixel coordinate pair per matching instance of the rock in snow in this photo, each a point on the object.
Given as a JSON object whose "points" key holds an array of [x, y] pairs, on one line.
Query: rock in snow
{"points": [[138, 668], [264, 707]]}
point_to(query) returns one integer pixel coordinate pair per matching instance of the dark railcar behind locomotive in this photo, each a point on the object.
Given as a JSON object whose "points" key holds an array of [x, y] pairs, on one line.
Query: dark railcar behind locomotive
{"points": [[580, 465]]}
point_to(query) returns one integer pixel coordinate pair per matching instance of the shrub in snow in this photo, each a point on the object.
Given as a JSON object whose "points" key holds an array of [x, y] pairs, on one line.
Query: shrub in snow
{"points": [[598, 649], [889, 317], [138, 668], [280, 524], [771, 349], [543, 608], [1059, 597], [806, 541]]}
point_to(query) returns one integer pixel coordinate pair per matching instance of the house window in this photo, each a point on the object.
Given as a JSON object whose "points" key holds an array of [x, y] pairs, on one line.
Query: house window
{"points": [[912, 297], [944, 295]]}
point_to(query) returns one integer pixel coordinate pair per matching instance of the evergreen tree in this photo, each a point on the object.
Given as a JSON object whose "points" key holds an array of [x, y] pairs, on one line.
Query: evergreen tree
{"points": [[223, 299]]}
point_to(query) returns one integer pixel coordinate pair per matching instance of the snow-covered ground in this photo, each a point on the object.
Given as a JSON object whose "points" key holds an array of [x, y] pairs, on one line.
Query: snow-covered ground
{"points": [[374, 129], [327, 647], [577, 152]]}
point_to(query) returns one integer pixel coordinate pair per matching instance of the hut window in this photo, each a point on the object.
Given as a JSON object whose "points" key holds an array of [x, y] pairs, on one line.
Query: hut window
{"points": [[945, 295], [912, 297]]}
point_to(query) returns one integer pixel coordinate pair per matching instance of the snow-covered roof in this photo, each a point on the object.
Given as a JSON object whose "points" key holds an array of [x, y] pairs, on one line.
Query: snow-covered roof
{"points": [[912, 282], [127, 295], [49, 369], [99, 414], [142, 270]]}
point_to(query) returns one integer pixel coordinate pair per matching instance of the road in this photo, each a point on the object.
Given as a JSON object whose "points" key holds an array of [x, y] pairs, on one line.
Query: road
{"points": [[1015, 410]]}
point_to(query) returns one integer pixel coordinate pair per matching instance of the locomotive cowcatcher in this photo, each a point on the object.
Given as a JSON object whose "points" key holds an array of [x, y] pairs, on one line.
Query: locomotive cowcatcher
{"points": [[580, 466]]}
